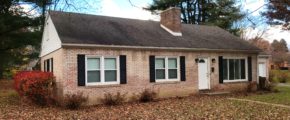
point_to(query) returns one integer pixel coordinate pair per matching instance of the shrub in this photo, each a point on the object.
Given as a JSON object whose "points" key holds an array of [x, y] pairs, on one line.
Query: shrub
{"points": [[271, 87], [110, 99], [281, 76], [74, 101], [36, 86], [134, 98], [284, 77], [147, 96], [251, 87]]}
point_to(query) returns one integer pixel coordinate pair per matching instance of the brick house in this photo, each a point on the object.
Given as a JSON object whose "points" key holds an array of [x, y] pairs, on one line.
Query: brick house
{"points": [[98, 54]]}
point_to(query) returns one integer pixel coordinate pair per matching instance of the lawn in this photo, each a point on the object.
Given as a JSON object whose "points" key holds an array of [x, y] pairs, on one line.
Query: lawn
{"points": [[282, 97], [193, 107]]}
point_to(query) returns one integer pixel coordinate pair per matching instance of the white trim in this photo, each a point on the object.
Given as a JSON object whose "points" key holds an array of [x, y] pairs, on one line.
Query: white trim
{"points": [[171, 32], [231, 81], [153, 48], [102, 70], [167, 79]]}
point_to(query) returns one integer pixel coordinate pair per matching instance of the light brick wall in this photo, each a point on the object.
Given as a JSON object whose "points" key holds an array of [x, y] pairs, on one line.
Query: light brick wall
{"points": [[58, 67], [138, 73]]}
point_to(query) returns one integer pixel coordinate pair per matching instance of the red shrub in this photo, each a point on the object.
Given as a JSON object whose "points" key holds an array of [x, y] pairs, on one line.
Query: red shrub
{"points": [[37, 86]]}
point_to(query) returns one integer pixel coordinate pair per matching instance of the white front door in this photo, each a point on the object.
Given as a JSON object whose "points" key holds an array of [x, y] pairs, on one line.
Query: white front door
{"points": [[203, 74], [262, 69]]}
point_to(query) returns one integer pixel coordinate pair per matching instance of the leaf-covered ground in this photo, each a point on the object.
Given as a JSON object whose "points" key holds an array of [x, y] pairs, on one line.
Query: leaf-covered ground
{"points": [[194, 107]]}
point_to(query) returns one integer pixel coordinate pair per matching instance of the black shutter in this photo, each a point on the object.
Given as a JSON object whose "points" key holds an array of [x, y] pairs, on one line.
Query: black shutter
{"points": [[81, 70], [182, 68], [221, 70], [152, 68], [250, 68], [51, 65], [123, 69]]}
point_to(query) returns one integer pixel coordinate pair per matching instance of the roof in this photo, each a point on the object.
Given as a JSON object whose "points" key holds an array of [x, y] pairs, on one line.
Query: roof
{"points": [[74, 28]]}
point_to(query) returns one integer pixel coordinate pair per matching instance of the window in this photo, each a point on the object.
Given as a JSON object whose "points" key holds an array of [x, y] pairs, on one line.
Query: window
{"points": [[110, 70], [48, 65], [166, 68], [234, 69], [101, 70]]}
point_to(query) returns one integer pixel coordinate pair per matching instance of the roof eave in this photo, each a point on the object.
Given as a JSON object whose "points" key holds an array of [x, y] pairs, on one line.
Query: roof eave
{"points": [[73, 45]]}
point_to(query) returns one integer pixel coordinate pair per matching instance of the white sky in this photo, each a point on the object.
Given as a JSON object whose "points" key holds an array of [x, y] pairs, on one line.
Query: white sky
{"points": [[122, 8], [270, 32]]}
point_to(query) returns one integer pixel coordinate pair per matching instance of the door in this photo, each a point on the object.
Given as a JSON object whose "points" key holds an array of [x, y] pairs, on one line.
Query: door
{"points": [[203, 74], [262, 69]]}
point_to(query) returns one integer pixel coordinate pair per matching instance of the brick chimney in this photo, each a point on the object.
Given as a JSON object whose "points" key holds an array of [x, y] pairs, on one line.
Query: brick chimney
{"points": [[170, 21]]}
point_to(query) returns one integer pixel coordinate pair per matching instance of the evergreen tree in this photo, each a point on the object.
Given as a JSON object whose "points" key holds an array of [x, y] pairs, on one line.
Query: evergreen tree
{"points": [[222, 13], [17, 31], [278, 13], [20, 33]]}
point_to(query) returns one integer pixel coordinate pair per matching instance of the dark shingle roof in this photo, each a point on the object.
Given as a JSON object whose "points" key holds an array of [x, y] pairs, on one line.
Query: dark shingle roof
{"points": [[76, 28]]}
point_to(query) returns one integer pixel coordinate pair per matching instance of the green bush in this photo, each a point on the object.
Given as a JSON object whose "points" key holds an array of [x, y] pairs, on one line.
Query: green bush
{"points": [[279, 76]]}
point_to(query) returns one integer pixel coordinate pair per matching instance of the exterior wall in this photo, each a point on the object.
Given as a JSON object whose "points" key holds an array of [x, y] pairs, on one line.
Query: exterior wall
{"points": [[138, 73], [57, 68], [50, 39]]}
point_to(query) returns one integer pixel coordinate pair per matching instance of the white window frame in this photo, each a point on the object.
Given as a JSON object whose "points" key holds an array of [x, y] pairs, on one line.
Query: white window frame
{"points": [[246, 70], [167, 69], [102, 71]]}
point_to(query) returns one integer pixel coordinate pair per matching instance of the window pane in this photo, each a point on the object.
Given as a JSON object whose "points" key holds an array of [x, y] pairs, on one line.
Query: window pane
{"points": [[110, 75], [243, 69], [172, 63], [47, 66], [232, 69], [172, 73], [160, 74], [93, 63], [225, 69], [237, 69], [110, 63], [93, 76], [159, 63]]}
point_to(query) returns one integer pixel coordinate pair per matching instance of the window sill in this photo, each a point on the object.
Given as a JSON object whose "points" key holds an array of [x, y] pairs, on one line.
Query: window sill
{"points": [[103, 86], [235, 81], [166, 82]]}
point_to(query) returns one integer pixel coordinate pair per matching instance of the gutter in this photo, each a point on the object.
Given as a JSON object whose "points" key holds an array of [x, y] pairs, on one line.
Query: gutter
{"points": [[71, 45]]}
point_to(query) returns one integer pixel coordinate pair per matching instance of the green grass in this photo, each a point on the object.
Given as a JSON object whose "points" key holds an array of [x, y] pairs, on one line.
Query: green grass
{"points": [[281, 97]]}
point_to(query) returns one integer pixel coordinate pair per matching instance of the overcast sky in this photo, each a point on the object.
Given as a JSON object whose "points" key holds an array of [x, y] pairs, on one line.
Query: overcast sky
{"points": [[123, 8]]}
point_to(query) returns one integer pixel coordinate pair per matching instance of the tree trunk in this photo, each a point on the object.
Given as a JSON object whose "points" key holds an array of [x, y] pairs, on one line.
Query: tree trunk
{"points": [[199, 11]]}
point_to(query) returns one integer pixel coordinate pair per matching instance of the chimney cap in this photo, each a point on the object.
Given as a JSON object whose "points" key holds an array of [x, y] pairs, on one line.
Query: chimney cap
{"points": [[170, 8]]}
